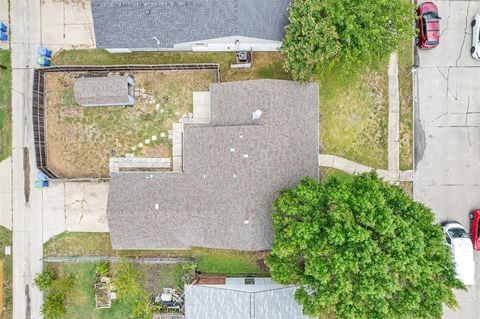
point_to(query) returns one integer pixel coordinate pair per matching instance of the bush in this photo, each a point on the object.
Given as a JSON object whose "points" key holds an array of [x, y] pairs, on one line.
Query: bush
{"points": [[56, 291], [102, 269], [53, 306], [130, 292], [45, 279]]}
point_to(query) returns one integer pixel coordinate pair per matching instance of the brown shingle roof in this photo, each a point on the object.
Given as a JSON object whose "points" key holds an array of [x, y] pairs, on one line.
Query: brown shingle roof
{"points": [[207, 204], [103, 91]]}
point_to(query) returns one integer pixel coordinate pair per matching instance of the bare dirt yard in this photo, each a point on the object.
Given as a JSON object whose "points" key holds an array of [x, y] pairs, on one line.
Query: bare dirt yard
{"points": [[80, 140]]}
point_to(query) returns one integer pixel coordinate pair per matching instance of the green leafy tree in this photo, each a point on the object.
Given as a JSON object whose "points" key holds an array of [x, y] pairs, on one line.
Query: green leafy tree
{"points": [[325, 33], [360, 248], [45, 279], [130, 291]]}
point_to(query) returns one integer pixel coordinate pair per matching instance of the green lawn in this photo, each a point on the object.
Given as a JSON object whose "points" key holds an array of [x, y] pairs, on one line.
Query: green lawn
{"points": [[6, 240], [5, 107], [80, 303], [213, 261], [326, 172], [354, 112], [354, 116], [405, 63], [265, 64]]}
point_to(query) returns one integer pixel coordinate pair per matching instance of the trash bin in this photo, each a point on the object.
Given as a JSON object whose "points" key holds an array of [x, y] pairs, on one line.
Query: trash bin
{"points": [[44, 52], [3, 36], [3, 27], [43, 61]]}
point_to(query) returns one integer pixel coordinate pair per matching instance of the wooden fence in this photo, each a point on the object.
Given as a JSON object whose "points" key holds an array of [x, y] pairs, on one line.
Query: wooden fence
{"points": [[39, 108]]}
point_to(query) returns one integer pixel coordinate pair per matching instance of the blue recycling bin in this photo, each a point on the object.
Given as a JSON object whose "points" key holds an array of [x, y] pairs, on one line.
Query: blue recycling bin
{"points": [[43, 61], [3, 27], [44, 52], [3, 36]]}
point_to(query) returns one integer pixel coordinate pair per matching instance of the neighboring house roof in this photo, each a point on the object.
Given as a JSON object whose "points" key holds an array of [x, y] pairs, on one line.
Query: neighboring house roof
{"points": [[103, 91], [265, 300], [207, 204], [134, 24]]}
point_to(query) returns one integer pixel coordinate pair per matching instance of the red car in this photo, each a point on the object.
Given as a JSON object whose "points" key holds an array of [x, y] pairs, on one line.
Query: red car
{"points": [[475, 228], [428, 25]]}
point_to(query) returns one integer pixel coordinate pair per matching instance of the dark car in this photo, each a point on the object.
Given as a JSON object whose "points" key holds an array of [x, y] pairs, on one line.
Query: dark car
{"points": [[428, 25], [475, 228]]}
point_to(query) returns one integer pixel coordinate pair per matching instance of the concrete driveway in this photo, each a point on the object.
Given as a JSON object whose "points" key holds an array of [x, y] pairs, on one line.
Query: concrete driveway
{"points": [[447, 130], [74, 206], [67, 24]]}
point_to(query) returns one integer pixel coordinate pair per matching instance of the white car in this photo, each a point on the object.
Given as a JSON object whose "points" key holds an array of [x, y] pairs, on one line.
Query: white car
{"points": [[475, 50], [457, 239]]}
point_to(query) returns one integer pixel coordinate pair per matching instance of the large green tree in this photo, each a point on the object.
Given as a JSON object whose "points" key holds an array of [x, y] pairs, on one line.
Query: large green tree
{"points": [[360, 248], [325, 33]]}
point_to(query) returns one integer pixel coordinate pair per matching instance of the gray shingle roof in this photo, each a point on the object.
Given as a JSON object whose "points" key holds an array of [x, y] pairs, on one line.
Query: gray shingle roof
{"points": [[103, 91], [264, 301], [133, 24], [206, 205]]}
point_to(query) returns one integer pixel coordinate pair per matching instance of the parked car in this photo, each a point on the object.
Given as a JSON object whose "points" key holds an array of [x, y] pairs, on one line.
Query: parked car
{"points": [[475, 50], [428, 25], [475, 228], [456, 238]]}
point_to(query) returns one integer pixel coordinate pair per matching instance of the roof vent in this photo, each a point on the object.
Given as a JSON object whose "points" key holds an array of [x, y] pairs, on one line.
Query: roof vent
{"points": [[257, 114]]}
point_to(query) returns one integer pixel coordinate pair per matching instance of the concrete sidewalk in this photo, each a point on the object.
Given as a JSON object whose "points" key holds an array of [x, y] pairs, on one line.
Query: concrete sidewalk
{"points": [[393, 115], [354, 168], [27, 200]]}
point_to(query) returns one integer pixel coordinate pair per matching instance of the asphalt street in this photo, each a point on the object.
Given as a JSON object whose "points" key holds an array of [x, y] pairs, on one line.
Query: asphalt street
{"points": [[447, 131]]}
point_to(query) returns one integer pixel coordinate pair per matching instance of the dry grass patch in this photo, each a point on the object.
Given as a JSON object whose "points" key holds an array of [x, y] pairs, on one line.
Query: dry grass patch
{"points": [[405, 62], [82, 139]]}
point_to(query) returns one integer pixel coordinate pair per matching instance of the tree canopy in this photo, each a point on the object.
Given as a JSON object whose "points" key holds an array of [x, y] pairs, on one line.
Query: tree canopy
{"points": [[325, 33], [360, 248]]}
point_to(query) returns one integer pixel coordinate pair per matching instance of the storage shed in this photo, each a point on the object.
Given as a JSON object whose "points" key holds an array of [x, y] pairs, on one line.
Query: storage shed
{"points": [[105, 91]]}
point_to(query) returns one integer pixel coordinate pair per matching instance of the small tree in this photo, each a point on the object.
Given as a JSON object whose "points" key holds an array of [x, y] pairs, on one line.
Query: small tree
{"points": [[56, 291], [360, 248], [53, 306], [45, 279], [324, 33]]}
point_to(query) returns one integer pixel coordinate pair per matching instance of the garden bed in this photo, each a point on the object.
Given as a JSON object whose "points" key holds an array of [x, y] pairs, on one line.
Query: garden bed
{"points": [[80, 140]]}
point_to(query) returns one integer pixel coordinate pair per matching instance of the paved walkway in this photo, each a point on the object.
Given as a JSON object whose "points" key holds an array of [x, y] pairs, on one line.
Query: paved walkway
{"points": [[91, 259], [6, 193], [393, 115], [351, 167]]}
